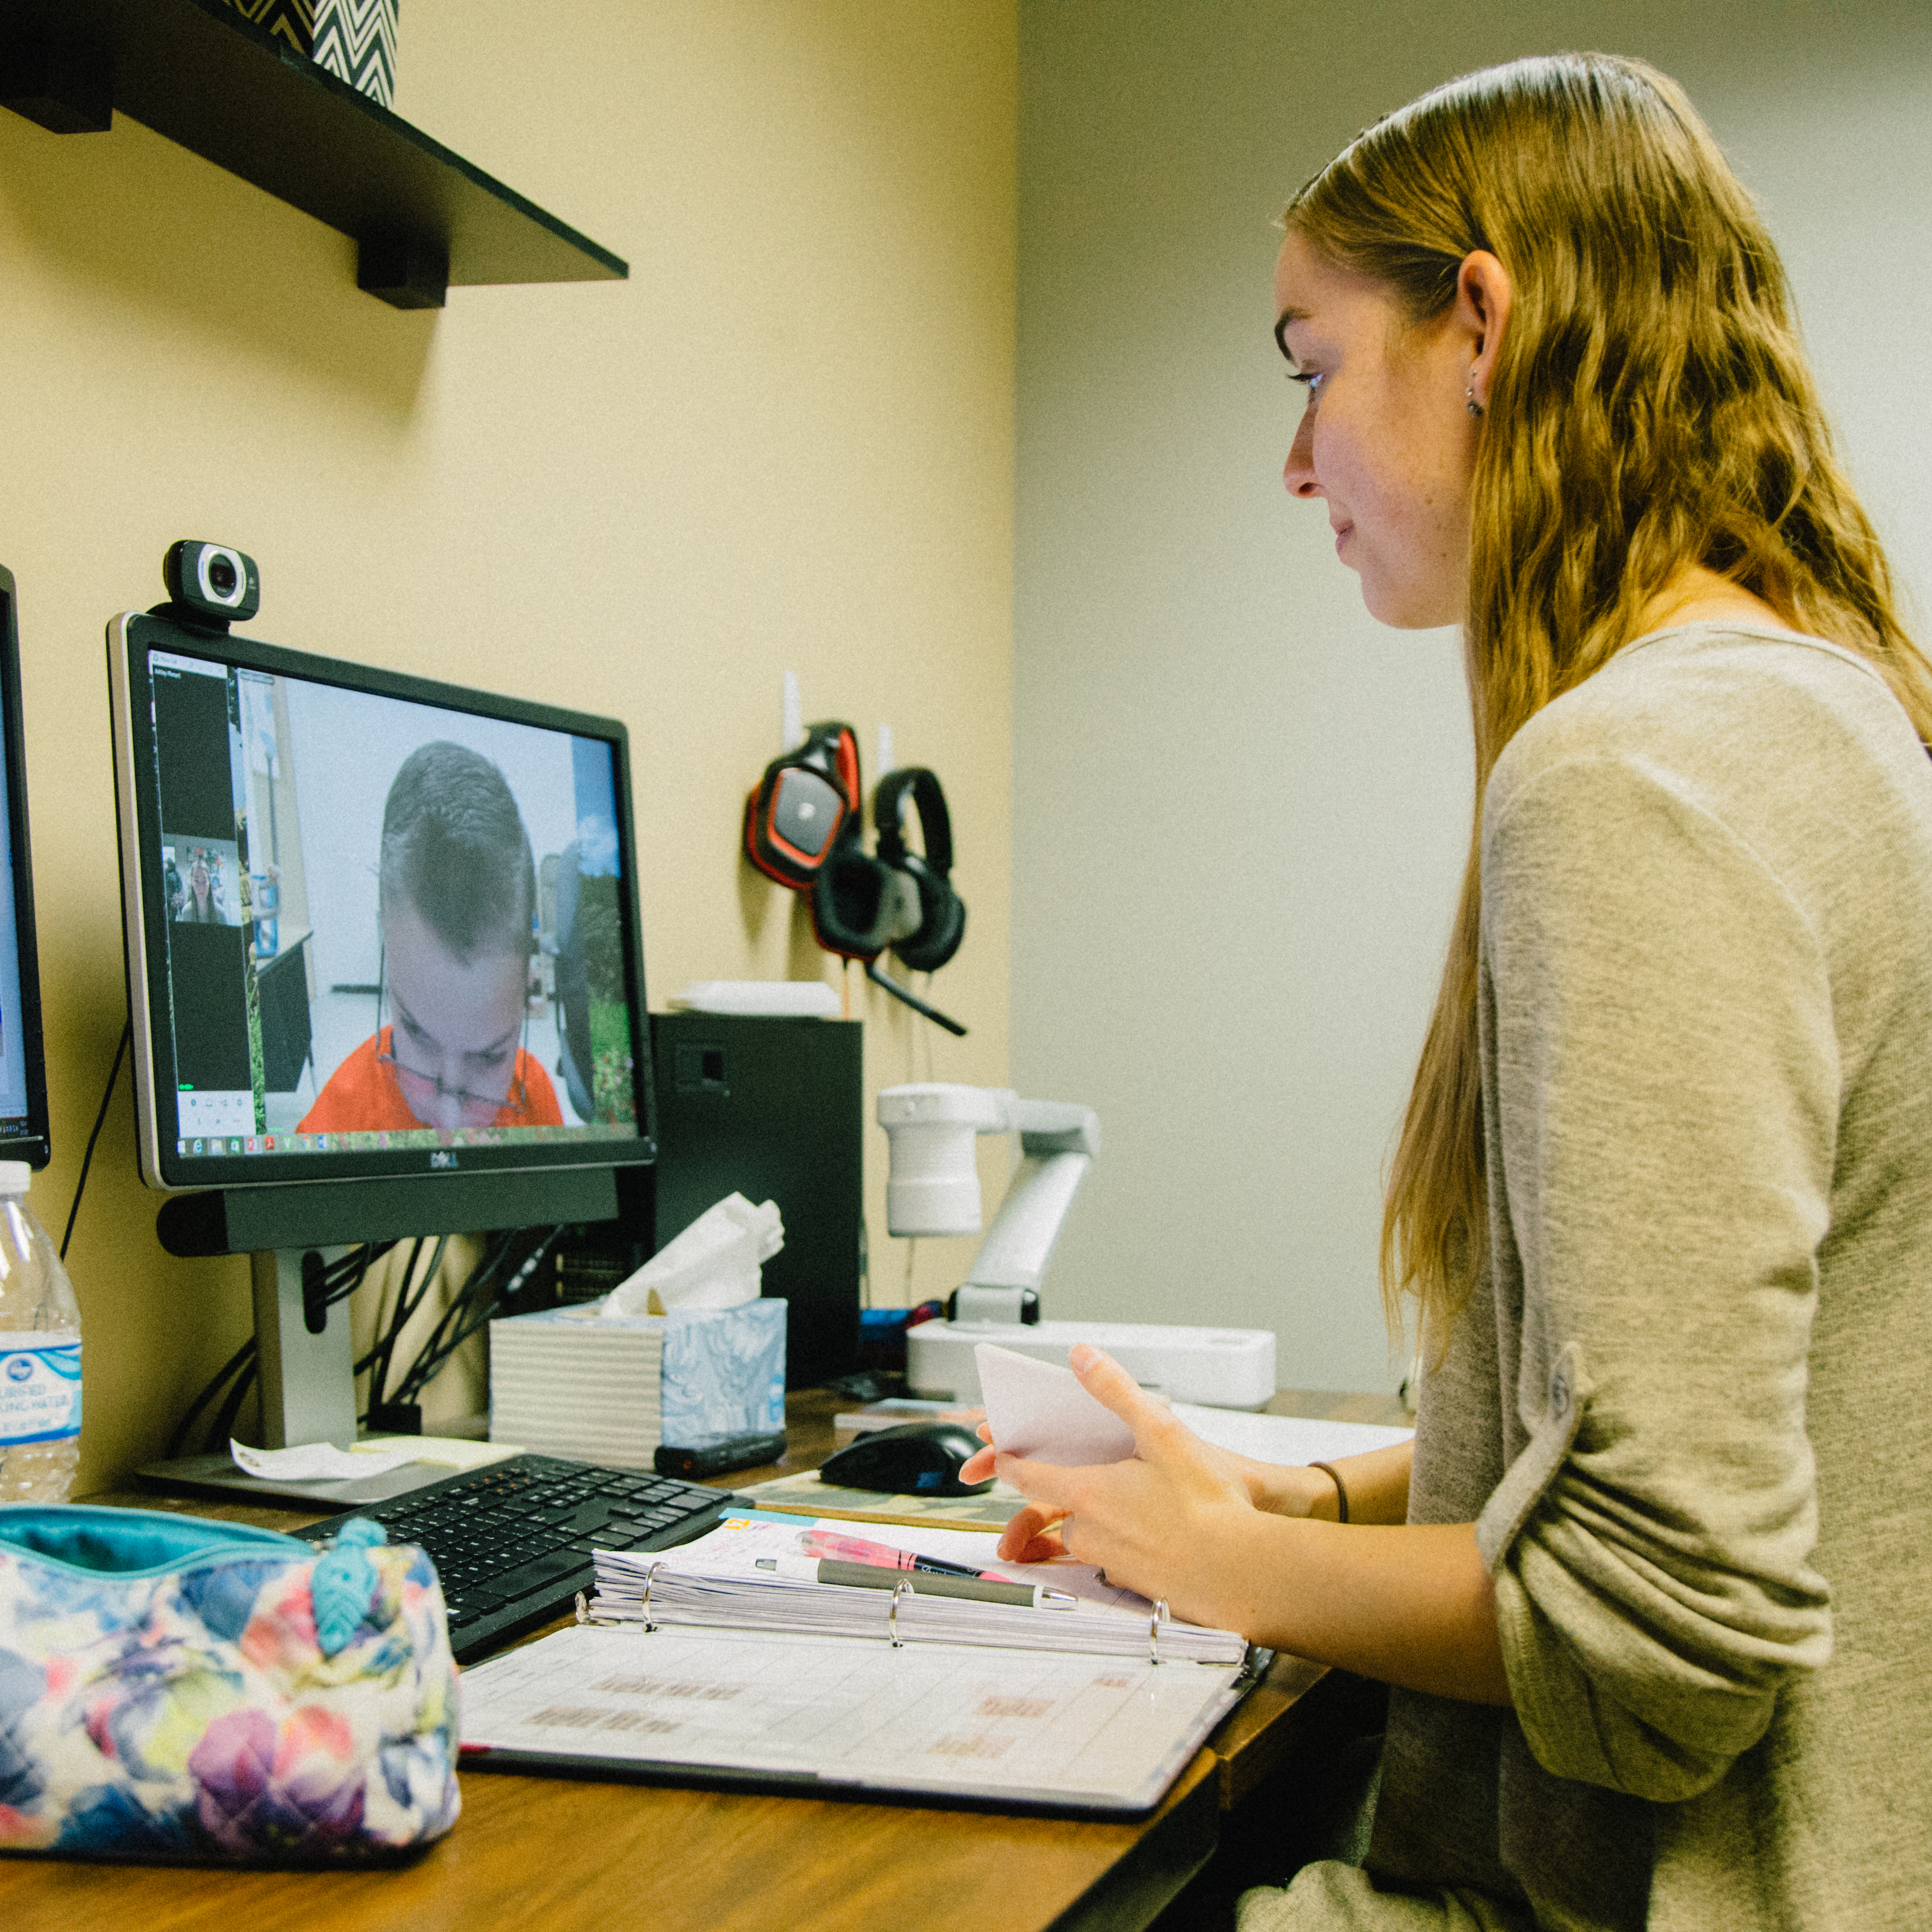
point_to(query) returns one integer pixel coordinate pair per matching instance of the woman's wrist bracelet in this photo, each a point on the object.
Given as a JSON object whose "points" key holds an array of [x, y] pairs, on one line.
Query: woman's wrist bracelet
{"points": [[1341, 1489]]}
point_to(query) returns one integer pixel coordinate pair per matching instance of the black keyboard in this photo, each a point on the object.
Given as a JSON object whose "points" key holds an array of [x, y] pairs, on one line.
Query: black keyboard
{"points": [[512, 1543]]}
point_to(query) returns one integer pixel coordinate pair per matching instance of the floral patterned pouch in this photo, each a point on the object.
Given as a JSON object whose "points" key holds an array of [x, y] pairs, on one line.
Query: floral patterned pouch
{"points": [[175, 1689]]}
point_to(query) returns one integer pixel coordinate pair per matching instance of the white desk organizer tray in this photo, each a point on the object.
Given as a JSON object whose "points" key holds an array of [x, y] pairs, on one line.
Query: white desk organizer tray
{"points": [[1222, 1368]]}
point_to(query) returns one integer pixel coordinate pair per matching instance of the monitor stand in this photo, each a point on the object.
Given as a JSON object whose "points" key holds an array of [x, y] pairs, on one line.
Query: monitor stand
{"points": [[305, 1365], [303, 1357]]}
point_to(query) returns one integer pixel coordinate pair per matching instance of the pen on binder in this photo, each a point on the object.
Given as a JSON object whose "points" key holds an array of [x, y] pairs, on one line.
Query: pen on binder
{"points": [[923, 1582], [883, 1556]]}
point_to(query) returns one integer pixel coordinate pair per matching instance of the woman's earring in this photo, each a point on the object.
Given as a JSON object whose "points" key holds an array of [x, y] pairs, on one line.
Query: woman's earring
{"points": [[1469, 398]]}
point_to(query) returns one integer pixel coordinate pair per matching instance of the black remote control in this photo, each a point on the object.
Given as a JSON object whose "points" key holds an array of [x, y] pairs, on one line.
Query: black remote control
{"points": [[718, 1458]]}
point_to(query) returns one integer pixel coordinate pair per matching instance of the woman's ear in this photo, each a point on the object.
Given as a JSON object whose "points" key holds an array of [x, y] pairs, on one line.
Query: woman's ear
{"points": [[1483, 292]]}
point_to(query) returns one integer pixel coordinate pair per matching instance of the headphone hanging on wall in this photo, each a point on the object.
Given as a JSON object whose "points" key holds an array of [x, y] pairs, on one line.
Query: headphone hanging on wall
{"points": [[942, 912], [861, 903], [860, 906], [795, 814]]}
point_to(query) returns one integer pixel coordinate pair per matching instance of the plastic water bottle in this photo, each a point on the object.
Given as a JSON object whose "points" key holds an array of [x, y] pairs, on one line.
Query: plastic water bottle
{"points": [[40, 1353]]}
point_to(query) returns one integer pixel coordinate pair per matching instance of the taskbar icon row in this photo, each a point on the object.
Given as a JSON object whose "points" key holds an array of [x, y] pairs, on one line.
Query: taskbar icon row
{"points": [[224, 1144], [393, 1140]]}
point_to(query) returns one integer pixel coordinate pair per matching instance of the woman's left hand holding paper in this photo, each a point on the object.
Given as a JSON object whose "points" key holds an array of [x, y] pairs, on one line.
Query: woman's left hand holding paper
{"points": [[1231, 1543], [1148, 1521]]}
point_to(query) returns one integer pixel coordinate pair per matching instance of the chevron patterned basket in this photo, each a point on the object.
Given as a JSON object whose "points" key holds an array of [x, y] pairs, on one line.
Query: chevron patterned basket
{"points": [[355, 40], [293, 21]]}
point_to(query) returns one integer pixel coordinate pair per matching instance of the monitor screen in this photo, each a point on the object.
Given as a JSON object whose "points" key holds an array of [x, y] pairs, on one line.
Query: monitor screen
{"points": [[23, 1085], [376, 926]]}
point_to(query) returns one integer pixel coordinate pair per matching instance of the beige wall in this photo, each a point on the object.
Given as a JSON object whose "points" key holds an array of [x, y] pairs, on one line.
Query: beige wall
{"points": [[1240, 805], [785, 443]]}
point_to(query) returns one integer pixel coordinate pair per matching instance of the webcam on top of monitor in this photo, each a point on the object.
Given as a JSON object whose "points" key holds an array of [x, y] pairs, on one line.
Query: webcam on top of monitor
{"points": [[210, 584]]}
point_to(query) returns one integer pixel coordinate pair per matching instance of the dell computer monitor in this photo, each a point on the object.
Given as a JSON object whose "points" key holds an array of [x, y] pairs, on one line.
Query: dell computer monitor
{"points": [[23, 1078], [382, 934]]}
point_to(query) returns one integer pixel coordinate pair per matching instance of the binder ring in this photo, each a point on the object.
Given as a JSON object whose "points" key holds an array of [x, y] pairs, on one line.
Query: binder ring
{"points": [[1154, 1623], [901, 1588], [650, 1577]]}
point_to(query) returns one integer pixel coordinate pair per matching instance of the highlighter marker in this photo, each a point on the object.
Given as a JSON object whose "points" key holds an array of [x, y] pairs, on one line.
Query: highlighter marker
{"points": [[883, 1556]]}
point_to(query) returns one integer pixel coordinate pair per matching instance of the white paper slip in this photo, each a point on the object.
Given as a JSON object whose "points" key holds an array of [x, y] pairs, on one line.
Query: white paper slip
{"points": [[318, 1462], [446, 1452], [1286, 1439], [858, 1713], [1039, 1409]]}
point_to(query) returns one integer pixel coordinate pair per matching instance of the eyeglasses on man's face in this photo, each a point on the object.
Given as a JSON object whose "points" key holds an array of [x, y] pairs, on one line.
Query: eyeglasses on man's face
{"points": [[428, 1092]]}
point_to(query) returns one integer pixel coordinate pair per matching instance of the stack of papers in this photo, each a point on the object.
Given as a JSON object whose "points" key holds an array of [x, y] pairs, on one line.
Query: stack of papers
{"points": [[715, 1582], [591, 1390], [1063, 1708]]}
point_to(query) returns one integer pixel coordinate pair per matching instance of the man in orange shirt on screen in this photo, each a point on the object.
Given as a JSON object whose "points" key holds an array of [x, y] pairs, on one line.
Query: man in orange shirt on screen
{"points": [[457, 894]]}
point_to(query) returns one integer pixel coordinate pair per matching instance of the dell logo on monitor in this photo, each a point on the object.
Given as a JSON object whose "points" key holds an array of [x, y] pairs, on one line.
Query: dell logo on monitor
{"points": [[442, 1157]]}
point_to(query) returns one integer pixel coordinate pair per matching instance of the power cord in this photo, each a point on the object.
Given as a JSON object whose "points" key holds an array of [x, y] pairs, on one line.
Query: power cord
{"points": [[479, 1300], [379, 1357], [471, 1309], [436, 1349], [100, 1121]]}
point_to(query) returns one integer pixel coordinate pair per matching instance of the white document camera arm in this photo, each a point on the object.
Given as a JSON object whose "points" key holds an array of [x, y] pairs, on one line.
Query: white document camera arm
{"points": [[933, 1183]]}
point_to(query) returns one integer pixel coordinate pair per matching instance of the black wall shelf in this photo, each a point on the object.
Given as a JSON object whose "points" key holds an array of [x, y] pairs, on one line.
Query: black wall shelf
{"points": [[195, 71]]}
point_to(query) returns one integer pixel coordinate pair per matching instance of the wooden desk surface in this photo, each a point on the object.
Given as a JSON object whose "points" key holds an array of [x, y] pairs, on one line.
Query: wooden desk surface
{"points": [[543, 1854]]}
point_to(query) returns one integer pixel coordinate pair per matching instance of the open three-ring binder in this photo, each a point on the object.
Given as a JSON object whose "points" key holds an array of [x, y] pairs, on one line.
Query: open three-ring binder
{"points": [[691, 1667]]}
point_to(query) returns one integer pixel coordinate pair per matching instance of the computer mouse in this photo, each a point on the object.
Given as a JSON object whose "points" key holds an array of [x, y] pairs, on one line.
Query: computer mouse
{"points": [[917, 1459]]}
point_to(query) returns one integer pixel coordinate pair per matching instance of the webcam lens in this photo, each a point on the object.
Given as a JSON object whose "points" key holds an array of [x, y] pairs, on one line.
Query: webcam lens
{"points": [[222, 577]]}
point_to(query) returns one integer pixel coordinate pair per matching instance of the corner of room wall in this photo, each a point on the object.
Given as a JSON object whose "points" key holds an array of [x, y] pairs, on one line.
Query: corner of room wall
{"points": [[1242, 808]]}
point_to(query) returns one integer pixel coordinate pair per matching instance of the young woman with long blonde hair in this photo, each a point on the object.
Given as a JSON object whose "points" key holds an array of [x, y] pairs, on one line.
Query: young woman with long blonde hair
{"points": [[1652, 1585]]}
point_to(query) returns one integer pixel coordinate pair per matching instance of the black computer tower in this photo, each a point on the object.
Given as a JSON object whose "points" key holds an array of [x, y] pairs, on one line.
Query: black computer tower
{"points": [[772, 1109]]}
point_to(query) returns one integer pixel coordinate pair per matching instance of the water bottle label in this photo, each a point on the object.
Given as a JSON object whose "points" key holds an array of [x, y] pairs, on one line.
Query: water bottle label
{"points": [[40, 1388]]}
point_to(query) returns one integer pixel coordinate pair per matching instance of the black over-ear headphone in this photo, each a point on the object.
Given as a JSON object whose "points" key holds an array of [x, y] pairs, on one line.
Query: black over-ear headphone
{"points": [[863, 903], [942, 912], [859, 906]]}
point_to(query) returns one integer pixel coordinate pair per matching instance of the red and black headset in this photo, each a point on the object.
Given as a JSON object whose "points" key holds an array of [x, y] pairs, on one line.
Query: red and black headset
{"points": [[796, 813], [803, 828]]}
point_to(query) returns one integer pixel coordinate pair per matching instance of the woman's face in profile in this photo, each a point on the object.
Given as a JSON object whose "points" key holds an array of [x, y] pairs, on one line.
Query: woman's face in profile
{"points": [[1386, 439]]}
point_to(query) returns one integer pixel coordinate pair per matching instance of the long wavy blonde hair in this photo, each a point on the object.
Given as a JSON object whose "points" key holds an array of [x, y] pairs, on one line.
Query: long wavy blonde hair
{"points": [[1651, 408]]}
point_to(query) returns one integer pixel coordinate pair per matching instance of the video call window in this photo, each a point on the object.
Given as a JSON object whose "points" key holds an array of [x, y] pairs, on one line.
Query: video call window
{"points": [[389, 924]]}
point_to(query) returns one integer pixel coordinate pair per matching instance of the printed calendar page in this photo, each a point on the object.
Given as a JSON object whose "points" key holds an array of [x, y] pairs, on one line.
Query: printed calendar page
{"points": [[1027, 1727]]}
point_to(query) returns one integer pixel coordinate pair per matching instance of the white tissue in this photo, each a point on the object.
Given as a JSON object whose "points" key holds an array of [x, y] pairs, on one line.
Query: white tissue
{"points": [[320, 1462], [1039, 1409], [714, 1263]]}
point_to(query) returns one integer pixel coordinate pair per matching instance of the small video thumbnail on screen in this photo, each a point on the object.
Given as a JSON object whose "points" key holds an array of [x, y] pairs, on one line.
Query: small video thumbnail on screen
{"points": [[389, 924]]}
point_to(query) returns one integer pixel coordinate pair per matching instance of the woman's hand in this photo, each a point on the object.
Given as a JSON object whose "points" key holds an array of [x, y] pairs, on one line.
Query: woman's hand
{"points": [[1147, 1522], [1228, 1543]]}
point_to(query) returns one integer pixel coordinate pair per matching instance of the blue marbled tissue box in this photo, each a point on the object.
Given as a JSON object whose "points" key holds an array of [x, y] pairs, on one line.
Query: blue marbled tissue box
{"points": [[723, 1371], [573, 1381]]}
